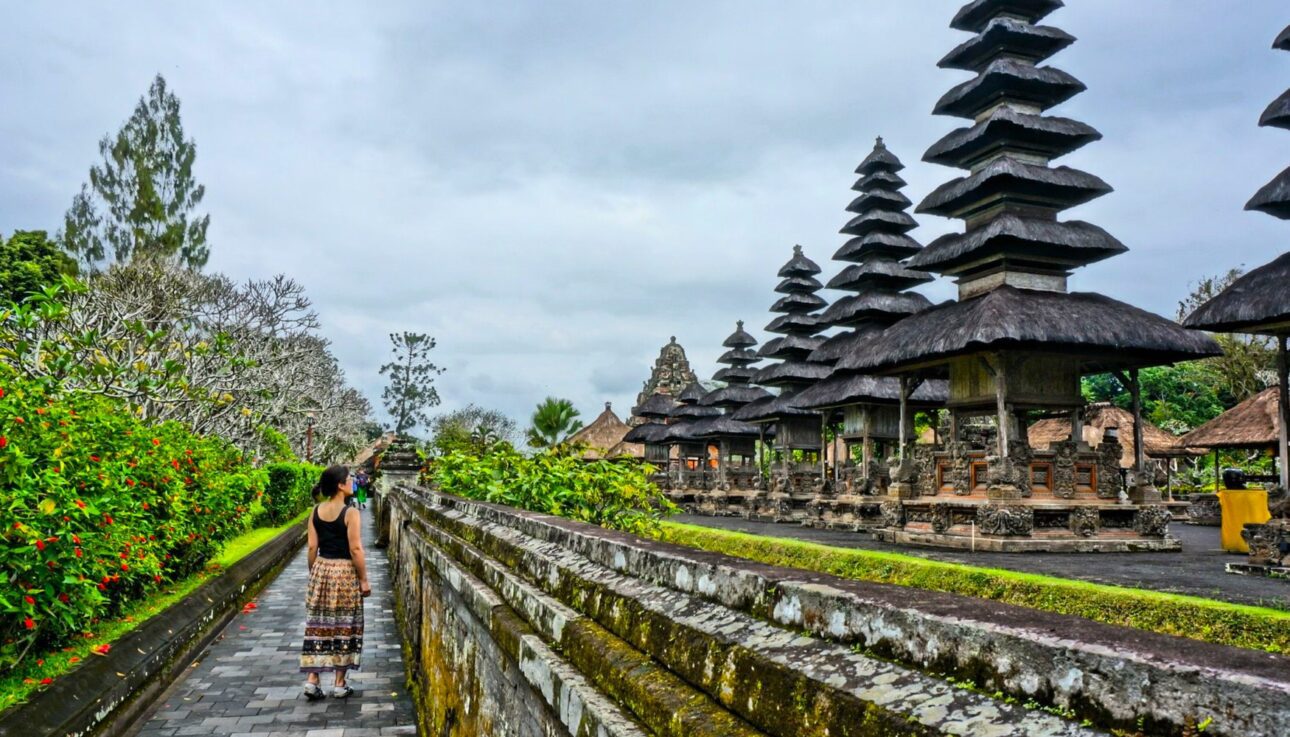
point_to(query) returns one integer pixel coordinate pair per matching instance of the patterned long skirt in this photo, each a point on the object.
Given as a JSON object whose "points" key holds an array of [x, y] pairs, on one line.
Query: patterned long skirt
{"points": [[333, 618]]}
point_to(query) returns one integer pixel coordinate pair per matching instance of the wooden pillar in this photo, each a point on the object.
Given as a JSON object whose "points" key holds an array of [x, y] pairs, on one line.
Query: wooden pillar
{"points": [[824, 445], [1001, 401], [1077, 425], [1283, 399], [954, 426], [761, 450], [904, 417], [1139, 452], [1218, 475], [866, 450], [837, 457]]}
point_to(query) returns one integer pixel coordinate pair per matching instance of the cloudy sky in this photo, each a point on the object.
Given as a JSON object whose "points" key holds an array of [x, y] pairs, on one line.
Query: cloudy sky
{"points": [[552, 189]]}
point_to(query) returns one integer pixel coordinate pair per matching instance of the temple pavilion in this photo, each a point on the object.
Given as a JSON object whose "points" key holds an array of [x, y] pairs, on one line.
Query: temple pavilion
{"points": [[1259, 302], [652, 417], [694, 465], [866, 406], [1017, 341], [602, 438], [798, 472]]}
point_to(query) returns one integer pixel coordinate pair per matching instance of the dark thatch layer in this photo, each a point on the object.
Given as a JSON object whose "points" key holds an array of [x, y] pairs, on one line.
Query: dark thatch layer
{"points": [[877, 274], [874, 305], [692, 393], [739, 338], [798, 284], [1251, 304], [975, 15], [1100, 417], [842, 389], [798, 303], [799, 265], [1014, 181], [736, 395], [657, 406], [887, 221], [1035, 134], [738, 356], [1274, 197], [650, 432], [880, 159], [1254, 423], [888, 179], [735, 374], [1075, 242], [694, 412], [1282, 42], [723, 427], [834, 348], [680, 432], [1104, 333], [897, 245], [794, 323], [790, 372], [1043, 87], [772, 409], [1007, 36], [1277, 115], [790, 346], [876, 199]]}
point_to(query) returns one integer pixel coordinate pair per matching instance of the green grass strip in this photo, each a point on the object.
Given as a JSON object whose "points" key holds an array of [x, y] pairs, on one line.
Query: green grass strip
{"points": [[18, 685], [1223, 623]]}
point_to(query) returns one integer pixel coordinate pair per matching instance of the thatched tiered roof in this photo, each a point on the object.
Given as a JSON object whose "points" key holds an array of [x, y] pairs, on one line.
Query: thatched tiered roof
{"points": [[737, 393], [601, 435], [670, 375], [796, 324], [687, 413], [1098, 418], [1253, 423]]}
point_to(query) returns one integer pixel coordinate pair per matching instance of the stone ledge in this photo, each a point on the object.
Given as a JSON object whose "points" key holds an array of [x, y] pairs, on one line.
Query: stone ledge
{"points": [[1114, 674], [107, 694], [752, 668]]}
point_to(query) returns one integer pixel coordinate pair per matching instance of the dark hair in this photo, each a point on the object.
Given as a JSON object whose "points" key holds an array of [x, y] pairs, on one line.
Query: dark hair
{"points": [[330, 480]]}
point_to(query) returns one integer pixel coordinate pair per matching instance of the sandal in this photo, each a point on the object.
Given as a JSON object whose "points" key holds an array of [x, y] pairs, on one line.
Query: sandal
{"points": [[342, 692], [314, 692]]}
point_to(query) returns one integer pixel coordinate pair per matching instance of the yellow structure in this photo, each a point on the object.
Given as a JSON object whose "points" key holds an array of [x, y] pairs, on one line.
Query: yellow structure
{"points": [[1241, 507]]}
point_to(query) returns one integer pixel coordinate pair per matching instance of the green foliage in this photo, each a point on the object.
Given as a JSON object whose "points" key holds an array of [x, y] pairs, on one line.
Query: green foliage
{"points": [[103, 507], [1175, 398], [140, 198], [1253, 627], [472, 430], [29, 260], [410, 391], [289, 490], [552, 423], [615, 495]]}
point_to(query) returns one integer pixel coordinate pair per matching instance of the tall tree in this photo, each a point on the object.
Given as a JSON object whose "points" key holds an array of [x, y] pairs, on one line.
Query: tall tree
{"points": [[410, 391], [141, 199], [29, 260], [553, 422], [471, 428], [1248, 363]]}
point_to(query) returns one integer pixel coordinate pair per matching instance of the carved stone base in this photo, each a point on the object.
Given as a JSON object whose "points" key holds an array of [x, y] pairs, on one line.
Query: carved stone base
{"points": [[1269, 542], [1205, 510], [1007, 520]]}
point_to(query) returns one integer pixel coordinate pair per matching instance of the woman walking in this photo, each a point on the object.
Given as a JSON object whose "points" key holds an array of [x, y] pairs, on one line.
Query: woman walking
{"points": [[337, 586]]}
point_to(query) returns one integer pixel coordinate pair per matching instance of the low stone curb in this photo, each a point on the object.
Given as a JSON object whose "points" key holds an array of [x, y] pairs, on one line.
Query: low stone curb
{"points": [[107, 694]]}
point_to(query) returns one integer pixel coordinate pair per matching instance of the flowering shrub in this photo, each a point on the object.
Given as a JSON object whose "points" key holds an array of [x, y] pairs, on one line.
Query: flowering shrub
{"points": [[290, 489], [615, 495], [103, 508]]}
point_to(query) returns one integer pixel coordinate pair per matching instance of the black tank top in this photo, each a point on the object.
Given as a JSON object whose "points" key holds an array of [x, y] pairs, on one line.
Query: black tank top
{"points": [[333, 539]]}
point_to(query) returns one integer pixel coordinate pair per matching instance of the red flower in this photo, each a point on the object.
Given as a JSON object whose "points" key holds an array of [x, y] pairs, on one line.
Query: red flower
{"points": [[28, 623], [125, 566], [76, 539], [1, 393], [124, 556], [63, 598], [29, 600], [94, 459], [40, 544], [156, 441], [78, 552], [108, 518], [40, 661], [102, 649], [157, 578], [175, 463], [102, 587], [80, 504], [145, 506], [74, 659], [3, 441], [19, 420], [46, 681], [129, 482]]}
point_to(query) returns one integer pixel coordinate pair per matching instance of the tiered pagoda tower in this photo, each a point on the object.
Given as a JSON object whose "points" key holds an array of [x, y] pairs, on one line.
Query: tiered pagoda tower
{"points": [[691, 472], [651, 432], [1259, 302], [867, 405], [670, 375], [736, 441], [1017, 340]]}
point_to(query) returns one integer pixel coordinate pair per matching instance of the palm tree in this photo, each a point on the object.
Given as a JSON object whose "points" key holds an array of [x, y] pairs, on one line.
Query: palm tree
{"points": [[553, 422]]}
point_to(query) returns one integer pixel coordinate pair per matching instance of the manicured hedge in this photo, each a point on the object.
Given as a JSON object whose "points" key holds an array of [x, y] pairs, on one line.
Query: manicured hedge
{"points": [[1219, 622], [290, 489], [103, 508]]}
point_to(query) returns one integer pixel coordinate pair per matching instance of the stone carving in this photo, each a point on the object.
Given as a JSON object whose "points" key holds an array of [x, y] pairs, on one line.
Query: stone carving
{"points": [[892, 513], [1269, 543], [1085, 521], [940, 517], [1011, 520], [1064, 454], [1020, 455], [1109, 453], [1204, 510], [1152, 521]]}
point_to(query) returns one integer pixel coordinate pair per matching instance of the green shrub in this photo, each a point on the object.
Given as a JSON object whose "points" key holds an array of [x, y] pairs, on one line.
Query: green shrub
{"points": [[289, 490], [103, 508], [615, 495]]}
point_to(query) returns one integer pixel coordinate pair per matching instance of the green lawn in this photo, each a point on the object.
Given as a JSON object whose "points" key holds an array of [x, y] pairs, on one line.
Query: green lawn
{"points": [[17, 685], [1259, 628]]}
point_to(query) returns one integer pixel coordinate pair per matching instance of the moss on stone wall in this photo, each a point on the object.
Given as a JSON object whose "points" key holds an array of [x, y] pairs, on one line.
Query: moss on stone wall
{"points": [[1218, 622]]}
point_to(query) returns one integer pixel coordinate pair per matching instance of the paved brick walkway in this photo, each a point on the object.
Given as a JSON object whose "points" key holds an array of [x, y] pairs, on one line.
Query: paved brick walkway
{"points": [[248, 682]]}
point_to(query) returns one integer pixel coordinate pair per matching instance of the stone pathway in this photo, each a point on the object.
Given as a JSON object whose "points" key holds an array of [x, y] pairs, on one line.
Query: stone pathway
{"points": [[248, 682], [1197, 570]]}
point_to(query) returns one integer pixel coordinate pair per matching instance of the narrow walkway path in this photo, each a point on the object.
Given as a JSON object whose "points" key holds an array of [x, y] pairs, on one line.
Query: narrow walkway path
{"points": [[248, 682], [1196, 570]]}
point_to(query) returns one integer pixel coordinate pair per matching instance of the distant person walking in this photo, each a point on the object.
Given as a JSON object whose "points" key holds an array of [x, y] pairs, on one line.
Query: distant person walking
{"points": [[360, 489], [337, 586]]}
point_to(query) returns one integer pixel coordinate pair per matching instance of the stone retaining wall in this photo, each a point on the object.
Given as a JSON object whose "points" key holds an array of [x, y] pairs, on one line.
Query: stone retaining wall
{"points": [[519, 623]]}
